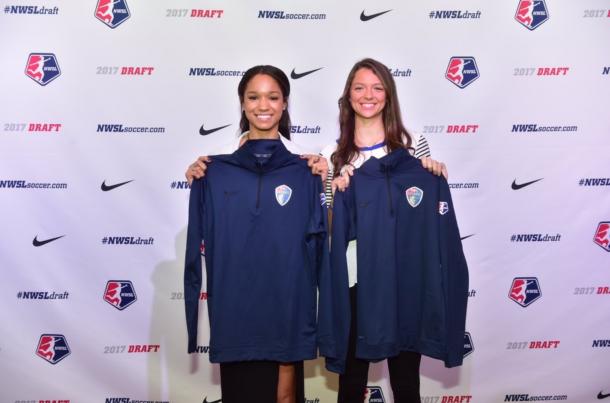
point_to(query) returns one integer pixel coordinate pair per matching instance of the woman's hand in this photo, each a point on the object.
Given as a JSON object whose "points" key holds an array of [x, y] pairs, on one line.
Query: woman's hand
{"points": [[318, 164], [341, 182], [197, 169], [435, 167]]}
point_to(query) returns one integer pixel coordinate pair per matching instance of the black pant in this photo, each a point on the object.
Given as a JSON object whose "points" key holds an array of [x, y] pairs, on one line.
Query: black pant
{"points": [[404, 369], [256, 381]]}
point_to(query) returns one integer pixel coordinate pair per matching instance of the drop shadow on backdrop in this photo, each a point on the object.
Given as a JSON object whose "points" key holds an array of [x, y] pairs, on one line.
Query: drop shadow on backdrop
{"points": [[174, 373]]}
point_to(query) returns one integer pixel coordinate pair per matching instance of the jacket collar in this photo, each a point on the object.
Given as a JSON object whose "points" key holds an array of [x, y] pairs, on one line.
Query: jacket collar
{"points": [[389, 162], [263, 155]]}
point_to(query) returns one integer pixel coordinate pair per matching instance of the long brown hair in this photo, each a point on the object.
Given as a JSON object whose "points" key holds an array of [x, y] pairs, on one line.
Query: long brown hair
{"points": [[392, 121]]}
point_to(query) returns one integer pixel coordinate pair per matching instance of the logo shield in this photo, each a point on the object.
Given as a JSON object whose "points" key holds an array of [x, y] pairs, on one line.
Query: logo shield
{"points": [[374, 394], [282, 194], [120, 294], [42, 68], [525, 290], [462, 70], [112, 12], [414, 196], [602, 235], [52, 348], [531, 13]]}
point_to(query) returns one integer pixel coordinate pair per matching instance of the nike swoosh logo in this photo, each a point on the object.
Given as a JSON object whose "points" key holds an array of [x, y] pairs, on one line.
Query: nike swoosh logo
{"points": [[106, 188], [466, 237], [205, 132], [205, 400], [36, 242], [295, 76], [601, 396], [516, 186], [364, 17]]}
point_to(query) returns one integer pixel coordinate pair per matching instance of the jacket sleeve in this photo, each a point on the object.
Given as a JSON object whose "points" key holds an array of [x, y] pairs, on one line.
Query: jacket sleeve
{"points": [[192, 263], [455, 275], [343, 231], [318, 233]]}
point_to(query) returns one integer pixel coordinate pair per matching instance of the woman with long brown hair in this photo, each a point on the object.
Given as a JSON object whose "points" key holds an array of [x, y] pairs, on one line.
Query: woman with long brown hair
{"points": [[371, 127]]}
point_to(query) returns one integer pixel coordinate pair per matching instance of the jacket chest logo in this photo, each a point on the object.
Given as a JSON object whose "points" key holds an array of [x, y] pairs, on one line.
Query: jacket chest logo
{"points": [[414, 196], [282, 194]]}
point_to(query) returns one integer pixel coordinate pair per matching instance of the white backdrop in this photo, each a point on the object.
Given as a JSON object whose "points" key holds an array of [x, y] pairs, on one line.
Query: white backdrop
{"points": [[529, 81]]}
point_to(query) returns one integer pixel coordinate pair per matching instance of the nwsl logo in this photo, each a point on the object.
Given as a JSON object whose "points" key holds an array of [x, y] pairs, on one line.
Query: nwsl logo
{"points": [[443, 207], [112, 12], [462, 71], [602, 235], [468, 346], [53, 348], [42, 68], [373, 394], [531, 13], [525, 290], [120, 294]]}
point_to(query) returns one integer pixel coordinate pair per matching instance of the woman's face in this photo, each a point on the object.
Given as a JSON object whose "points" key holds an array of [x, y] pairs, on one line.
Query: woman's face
{"points": [[366, 94], [263, 103]]}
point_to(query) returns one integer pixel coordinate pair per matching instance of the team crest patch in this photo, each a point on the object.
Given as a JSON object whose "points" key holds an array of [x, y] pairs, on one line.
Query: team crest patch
{"points": [[443, 207], [282, 194], [414, 196]]}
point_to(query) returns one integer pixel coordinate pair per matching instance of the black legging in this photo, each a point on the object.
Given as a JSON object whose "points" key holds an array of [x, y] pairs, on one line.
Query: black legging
{"points": [[256, 381], [404, 369]]}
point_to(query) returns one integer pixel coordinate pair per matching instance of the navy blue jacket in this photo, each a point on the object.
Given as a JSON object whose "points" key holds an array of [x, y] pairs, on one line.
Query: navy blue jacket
{"points": [[412, 274], [261, 214]]}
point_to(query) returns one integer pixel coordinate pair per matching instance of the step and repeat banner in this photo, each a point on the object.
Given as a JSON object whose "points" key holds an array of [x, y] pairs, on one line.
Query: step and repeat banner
{"points": [[103, 104]]}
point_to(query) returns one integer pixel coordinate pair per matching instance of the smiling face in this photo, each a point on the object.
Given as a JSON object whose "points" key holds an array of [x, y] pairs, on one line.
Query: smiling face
{"points": [[263, 105], [367, 94]]}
